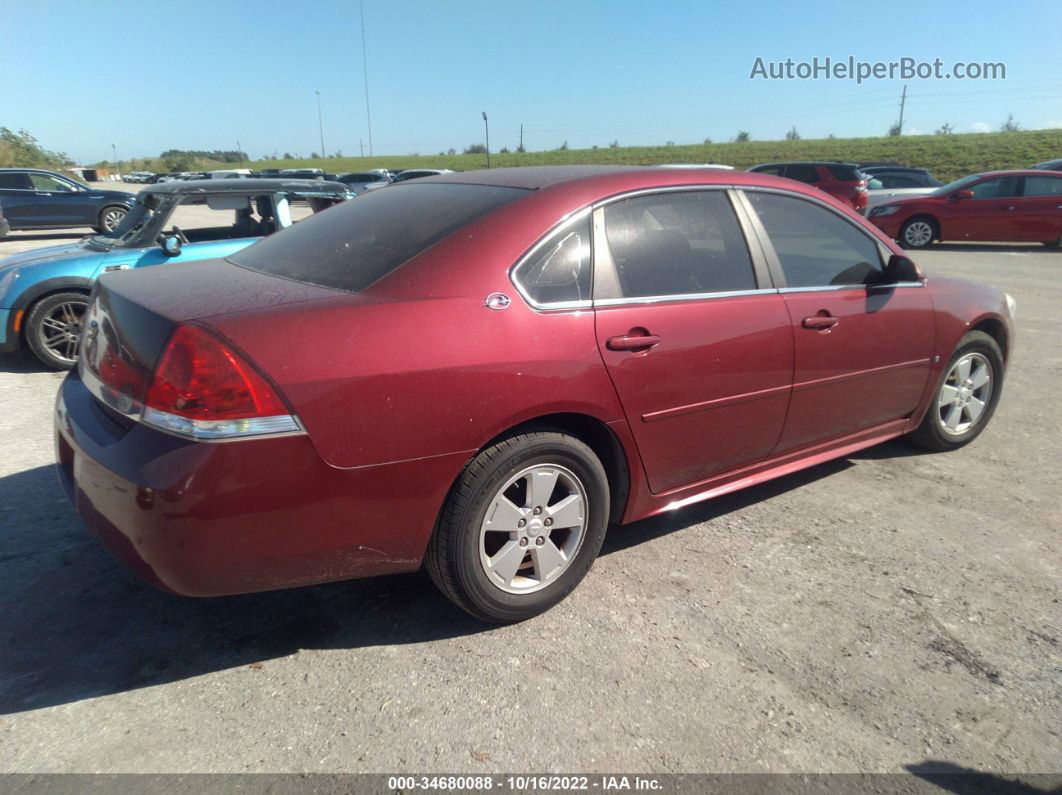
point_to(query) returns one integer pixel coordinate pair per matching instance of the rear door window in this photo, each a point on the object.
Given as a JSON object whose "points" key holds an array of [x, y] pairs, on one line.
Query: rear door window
{"points": [[354, 244], [802, 172], [14, 180], [677, 243], [1043, 186]]}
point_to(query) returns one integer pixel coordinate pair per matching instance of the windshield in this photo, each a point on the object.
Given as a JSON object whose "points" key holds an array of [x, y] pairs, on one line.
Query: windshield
{"points": [[958, 184]]}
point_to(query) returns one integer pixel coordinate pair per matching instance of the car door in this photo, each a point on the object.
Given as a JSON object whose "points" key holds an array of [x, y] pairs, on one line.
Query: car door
{"points": [[1039, 213], [61, 202], [990, 215], [19, 200], [862, 348], [696, 341]]}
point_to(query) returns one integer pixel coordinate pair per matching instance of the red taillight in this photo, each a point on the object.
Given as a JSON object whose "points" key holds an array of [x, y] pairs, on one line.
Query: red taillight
{"points": [[200, 378]]}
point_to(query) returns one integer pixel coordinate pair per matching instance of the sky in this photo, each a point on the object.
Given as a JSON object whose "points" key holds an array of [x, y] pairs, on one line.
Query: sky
{"points": [[159, 74]]}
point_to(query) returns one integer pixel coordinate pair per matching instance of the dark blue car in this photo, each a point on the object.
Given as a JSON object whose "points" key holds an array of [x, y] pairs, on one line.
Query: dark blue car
{"points": [[36, 199]]}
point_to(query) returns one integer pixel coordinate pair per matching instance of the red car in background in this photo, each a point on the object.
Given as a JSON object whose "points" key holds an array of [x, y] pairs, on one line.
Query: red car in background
{"points": [[843, 181], [997, 206], [482, 371]]}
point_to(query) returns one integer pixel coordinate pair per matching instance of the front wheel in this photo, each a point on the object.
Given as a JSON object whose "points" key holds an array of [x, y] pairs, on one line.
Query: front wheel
{"points": [[521, 526], [966, 396], [110, 217], [53, 329], [917, 233]]}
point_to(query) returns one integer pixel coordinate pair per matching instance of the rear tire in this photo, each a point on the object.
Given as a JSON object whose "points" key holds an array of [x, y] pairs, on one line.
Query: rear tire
{"points": [[966, 395], [53, 329], [521, 527]]}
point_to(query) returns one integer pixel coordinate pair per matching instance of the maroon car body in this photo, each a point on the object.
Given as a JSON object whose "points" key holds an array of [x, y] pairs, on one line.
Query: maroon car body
{"points": [[397, 386], [997, 206]]}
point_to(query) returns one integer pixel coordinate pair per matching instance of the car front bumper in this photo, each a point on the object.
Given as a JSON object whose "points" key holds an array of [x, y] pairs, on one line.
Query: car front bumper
{"points": [[889, 224], [5, 227], [210, 519], [9, 338]]}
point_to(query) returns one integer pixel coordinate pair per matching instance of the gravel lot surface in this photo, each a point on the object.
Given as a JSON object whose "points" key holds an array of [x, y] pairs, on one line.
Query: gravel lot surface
{"points": [[884, 610]]}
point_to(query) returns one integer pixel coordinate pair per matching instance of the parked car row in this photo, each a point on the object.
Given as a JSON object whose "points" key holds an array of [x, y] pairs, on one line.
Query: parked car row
{"points": [[482, 372]]}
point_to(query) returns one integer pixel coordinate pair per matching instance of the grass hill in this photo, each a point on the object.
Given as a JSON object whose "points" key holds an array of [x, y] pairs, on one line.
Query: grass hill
{"points": [[946, 156]]}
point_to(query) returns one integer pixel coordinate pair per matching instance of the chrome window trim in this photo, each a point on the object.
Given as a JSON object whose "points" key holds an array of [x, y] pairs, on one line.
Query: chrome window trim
{"points": [[835, 287], [657, 299], [564, 223]]}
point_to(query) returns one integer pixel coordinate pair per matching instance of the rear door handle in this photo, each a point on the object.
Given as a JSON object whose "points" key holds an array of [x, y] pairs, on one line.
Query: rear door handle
{"points": [[629, 342], [820, 322]]}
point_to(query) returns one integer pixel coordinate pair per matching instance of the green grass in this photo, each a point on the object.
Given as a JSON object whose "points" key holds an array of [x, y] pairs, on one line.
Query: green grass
{"points": [[946, 156]]}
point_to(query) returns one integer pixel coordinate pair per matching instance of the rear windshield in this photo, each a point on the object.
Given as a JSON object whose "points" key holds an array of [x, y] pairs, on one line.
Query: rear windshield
{"points": [[352, 245], [844, 173]]}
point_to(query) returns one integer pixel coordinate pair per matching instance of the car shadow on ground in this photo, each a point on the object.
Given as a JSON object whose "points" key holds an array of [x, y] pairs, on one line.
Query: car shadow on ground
{"points": [[77, 625], [950, 777], [23, 362], [998, 248]]}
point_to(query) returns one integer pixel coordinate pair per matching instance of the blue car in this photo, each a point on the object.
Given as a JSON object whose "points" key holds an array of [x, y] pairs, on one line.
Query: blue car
{"points": [[43, 293]]}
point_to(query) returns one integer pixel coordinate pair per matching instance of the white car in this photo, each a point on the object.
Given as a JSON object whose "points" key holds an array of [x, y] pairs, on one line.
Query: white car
{"points": [[887, 182]]}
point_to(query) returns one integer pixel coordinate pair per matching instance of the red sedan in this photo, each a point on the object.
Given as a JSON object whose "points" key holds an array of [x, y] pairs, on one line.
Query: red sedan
{"points": [[481, 372], [998, 206]]}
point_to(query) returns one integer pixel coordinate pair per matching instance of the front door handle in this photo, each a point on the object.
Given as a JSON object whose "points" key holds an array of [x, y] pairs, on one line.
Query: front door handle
{"points": [[632, 342], [820, 322]]}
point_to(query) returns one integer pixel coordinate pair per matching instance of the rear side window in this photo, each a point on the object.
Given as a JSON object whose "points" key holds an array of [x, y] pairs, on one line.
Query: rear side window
{"points": [[802, 173], [352, 245], [14, 181], [677, 243], [558, 270], [844, 173], [1043, 186], [815, 246]]}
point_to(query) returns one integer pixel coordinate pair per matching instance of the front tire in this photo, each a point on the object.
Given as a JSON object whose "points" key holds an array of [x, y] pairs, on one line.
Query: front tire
{"points": [[966, 396], [918, 233], [109, 219], [521, 527], [53, 329]]}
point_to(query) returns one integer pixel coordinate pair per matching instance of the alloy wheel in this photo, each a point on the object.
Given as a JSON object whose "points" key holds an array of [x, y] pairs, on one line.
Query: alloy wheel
{"points": [[60, 330], [111, 218], [533, 528], [918, 234], [965, 394]]}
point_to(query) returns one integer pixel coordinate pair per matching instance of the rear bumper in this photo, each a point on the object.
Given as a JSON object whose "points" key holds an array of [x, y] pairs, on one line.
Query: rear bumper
{"points": [[209, 519]]}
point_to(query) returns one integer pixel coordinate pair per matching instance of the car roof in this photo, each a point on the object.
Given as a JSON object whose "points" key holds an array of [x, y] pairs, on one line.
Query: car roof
{"points": [[247, 185], [31, 168], [808, 163], [1015, 172]]}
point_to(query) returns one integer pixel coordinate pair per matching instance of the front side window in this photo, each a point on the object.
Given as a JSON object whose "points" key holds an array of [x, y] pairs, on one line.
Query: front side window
{"points": [[816, 247], [46, 182], [1043, 186], [677, 243], [1000, 188], [558, 270]]}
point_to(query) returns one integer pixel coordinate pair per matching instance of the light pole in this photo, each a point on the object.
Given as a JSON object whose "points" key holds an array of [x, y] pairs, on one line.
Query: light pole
{"points": [[117, 166], [320, 123], [486, 128]]}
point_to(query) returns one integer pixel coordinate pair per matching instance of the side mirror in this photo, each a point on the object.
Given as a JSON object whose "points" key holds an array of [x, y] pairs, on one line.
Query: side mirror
{"points": [[961, 194], [900, 269], [171, 245]]}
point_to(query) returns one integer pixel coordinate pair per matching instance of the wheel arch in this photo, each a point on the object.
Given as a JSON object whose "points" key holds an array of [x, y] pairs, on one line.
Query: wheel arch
{"points": [[595, 434], [38, 292], [997, 330]]}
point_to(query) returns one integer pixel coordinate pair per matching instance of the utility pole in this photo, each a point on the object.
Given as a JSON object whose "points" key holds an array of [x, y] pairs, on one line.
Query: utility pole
{"points": [[903, 101], [320, 123], [239, 149], [365, 71], [486, 127], [521, 138], [117, 165], [361, 144]]}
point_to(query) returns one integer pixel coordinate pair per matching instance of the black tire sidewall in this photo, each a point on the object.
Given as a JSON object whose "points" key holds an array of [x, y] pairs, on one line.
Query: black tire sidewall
{"points": [[36, 315], [489, 601]]}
